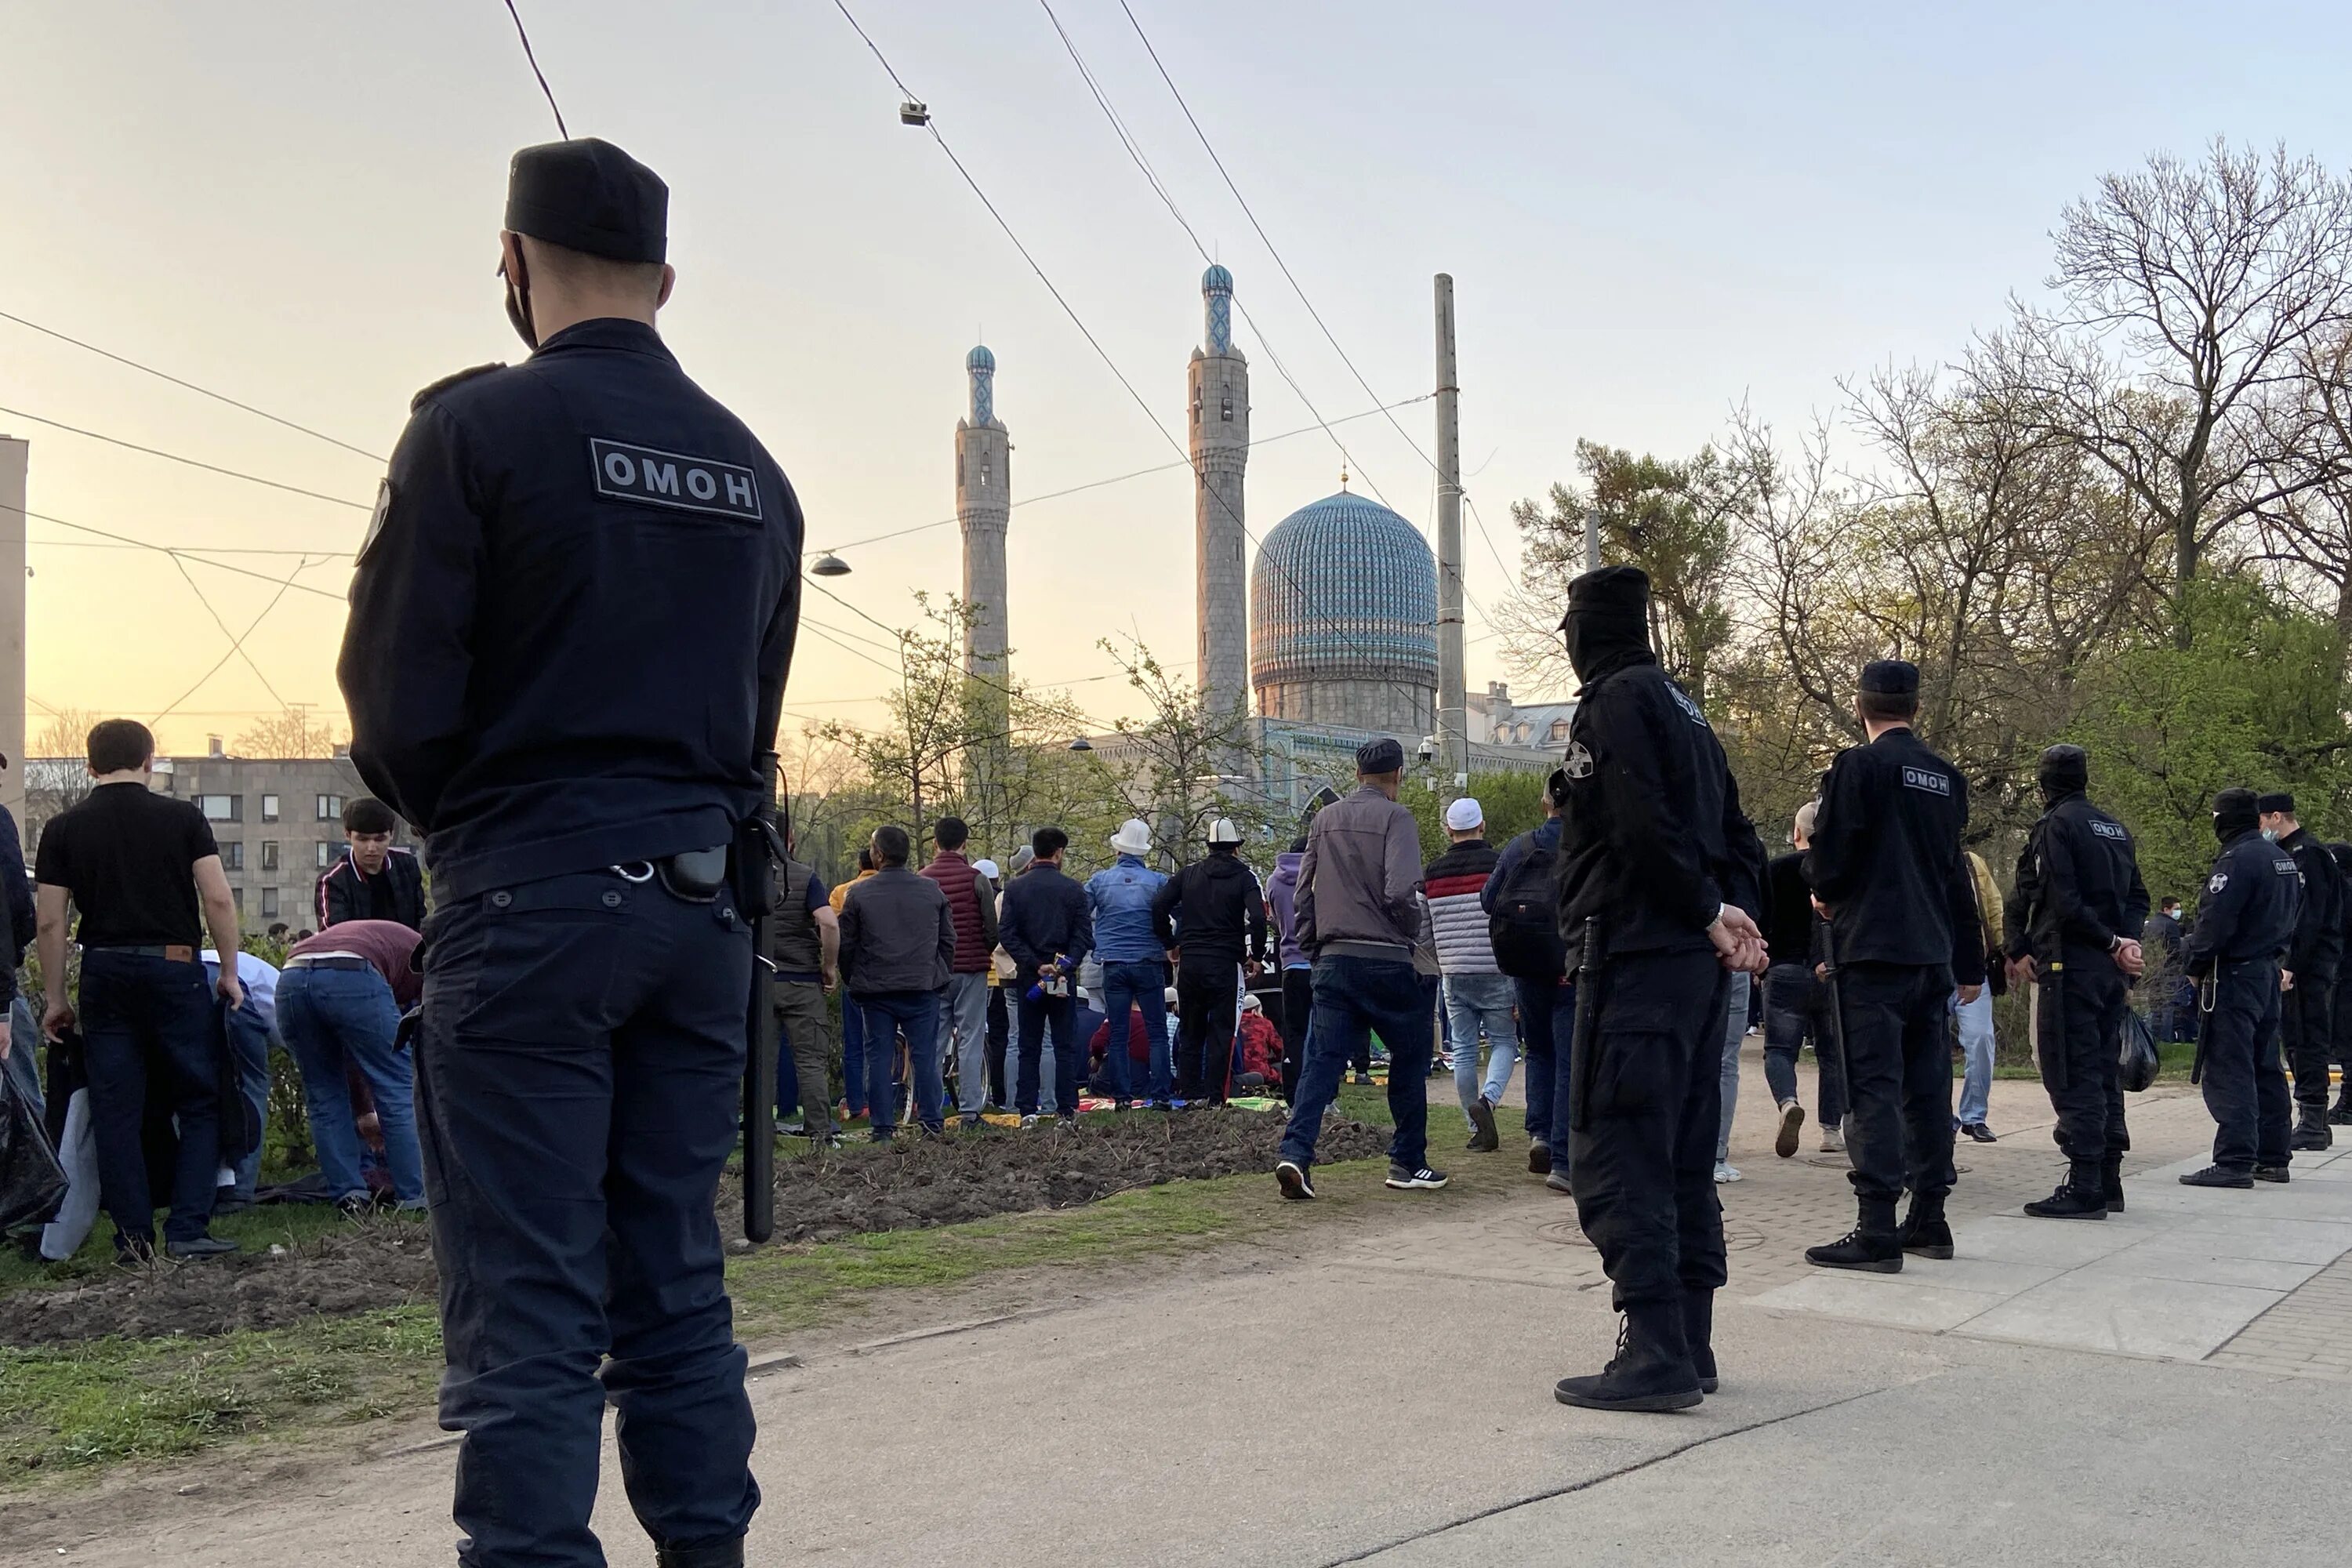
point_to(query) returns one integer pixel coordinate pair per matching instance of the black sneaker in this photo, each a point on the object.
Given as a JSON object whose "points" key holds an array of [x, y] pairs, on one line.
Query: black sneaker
{"points": [[1539, 1159], [969, 1120], [1291, 1177], [1859, 1249], [1362, 1078], [2217, 1176], [198, 1247], [2342, 1115], [1423, 1179], [1980, 1132], [1793, 1119], [1066, 1123], [1484, 1138], [2070, 1202], [2275, 1173], [1929, 1238]]}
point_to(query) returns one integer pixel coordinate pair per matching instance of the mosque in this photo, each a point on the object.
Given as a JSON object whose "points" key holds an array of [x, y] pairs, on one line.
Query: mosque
{"points": [[1327, 639]]}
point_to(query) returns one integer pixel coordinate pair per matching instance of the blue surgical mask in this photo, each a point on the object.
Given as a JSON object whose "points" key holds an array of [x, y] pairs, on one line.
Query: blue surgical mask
{"points": [[2270, 835]]}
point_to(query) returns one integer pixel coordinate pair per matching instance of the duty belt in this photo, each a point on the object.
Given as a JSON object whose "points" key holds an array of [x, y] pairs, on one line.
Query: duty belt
{"points": [[694, 875]]}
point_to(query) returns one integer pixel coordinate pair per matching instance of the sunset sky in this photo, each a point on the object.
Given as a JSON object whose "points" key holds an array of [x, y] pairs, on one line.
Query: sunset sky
{"points": [[1650, 213]]}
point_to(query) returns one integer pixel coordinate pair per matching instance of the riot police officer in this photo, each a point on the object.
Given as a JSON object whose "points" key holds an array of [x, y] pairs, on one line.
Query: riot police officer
{"points": [[2245, 919], [1887, 870], [2340, 1006], [2307, 1003], [2077, 901], [1660, 876], [571, 624]]}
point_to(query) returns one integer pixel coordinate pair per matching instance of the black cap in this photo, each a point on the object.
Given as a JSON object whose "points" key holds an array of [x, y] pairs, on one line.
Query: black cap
{"points": [[1381, 756], [2277, 800], [2064, 768], [1891, 677], [1618, 588], [587, 194], [2236, 803]]}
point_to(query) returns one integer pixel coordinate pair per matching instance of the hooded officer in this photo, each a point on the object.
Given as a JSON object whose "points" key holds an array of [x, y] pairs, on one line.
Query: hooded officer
{"points": [[2077, 900], [570, 627], [2245, 919], [2306, 1006], [1887, 870], [1661, 873], [2340, 1009]]}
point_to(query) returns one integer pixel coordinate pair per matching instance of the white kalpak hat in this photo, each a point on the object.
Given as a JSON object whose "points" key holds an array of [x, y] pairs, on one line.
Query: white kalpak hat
{"points": [[1464, 815], [1133, 837], [986, 869], [1222, 831]]}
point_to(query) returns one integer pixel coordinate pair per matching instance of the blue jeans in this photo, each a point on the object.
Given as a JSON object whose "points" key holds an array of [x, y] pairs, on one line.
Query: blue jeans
{"points": [[1974, 1020], [1354, 997], [329, 1016], [249, 1039], [1735, 1030], [1547, 1027], [150, 1025], [1138, 985], [1475, 1004], [1792, 1013], [917, 1013], [852, 1056]]}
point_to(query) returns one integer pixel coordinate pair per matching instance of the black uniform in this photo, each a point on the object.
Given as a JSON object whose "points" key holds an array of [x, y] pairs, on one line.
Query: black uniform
{"points": [[2314, 956], [2340, 1007], [2078, 898], [1905, 928], [570, 630], [2244, 921], [1653, 844]]}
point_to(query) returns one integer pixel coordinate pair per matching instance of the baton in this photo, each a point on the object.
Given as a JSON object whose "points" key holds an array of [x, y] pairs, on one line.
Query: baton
{"points": [[758, 846], [2048, 1010], [1584, 1043]]}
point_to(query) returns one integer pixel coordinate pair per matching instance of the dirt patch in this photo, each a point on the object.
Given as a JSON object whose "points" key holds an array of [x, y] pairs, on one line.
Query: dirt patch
{"points": [[913, 1184]]}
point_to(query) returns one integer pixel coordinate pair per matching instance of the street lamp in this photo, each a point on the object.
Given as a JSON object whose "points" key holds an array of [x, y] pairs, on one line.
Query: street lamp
{"points": [[1082, 744], [829, 565]]}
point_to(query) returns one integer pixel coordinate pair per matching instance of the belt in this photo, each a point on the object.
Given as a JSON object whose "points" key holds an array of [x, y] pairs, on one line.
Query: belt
{"points": [[328, 961], [693, 875], [175, 952]]}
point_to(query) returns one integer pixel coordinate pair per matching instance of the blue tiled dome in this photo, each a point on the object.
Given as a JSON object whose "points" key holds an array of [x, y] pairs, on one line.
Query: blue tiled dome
{"points": [[1216, 277], [1344, 590], [980, 359]]}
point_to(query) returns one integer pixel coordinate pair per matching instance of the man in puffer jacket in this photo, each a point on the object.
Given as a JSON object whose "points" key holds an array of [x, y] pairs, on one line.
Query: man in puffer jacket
{"points": [[1214, 915], [1478, 995]]}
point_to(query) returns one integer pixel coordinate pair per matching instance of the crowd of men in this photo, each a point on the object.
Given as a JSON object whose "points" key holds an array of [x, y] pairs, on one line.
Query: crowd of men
{"points": [[159, 1054]]}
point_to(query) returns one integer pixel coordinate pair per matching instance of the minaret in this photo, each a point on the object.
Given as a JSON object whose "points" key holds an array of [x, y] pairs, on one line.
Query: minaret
{"points": [[983, 507], [1218, 386]]}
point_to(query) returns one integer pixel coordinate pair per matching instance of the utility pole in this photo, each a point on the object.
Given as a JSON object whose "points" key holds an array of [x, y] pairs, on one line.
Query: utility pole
{"points": [[1453, 715], [1592, 539]]}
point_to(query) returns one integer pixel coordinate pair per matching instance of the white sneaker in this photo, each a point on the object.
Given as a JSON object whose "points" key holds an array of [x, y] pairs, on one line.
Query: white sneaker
{"points": [[1724, 1173], [1833, 1140], [1028, 1122]]}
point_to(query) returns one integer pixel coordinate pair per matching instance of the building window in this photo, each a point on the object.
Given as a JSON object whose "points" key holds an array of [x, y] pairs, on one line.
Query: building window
{"points": [[327, 854], [1560, 729], [236, 897], [233, 855], [959, 468], [268, 808], [268, 903], [1196, 411], [1225, 407], [331, 807], [269, 854], [222, 807]]}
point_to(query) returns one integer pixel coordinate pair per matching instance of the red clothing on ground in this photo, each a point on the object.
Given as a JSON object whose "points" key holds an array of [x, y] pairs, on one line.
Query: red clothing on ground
{"points": [[1261, 1047]]}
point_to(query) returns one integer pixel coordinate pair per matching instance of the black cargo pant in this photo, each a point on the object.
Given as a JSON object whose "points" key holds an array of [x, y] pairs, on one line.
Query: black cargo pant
{"points": [[1641, 1139], [2307, 1037], [2244, 1091], [1208, 1006], [2078, 1034], [1298, 1006], [1899, 1085]]}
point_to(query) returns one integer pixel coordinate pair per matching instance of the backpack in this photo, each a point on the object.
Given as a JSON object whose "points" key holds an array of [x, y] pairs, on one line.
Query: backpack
{"points": [[1524, 926]]}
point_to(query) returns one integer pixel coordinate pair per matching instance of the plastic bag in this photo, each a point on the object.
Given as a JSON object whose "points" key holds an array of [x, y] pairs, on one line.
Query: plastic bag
{"points": [[32, 1183], [2138, 1060]]}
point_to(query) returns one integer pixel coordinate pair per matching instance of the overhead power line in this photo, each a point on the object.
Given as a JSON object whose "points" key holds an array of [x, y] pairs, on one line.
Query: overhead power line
{"points": [[167, 550], [541, 74], [191, 386], [190, 462]]}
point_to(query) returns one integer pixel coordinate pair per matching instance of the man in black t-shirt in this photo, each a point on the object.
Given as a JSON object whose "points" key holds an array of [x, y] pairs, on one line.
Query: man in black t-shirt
{"points": [[143, 873]]}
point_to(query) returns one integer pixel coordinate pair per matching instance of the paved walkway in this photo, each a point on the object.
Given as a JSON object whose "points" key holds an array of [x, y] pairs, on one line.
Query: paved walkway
{"points": [[1381, 1393]]}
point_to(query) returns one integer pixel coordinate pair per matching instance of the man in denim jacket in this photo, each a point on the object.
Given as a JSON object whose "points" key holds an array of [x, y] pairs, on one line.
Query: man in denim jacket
{"points": [[1134, 965]]}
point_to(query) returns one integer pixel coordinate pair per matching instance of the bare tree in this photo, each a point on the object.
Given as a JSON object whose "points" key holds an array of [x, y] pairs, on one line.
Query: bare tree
{"points": [[296, 733], [2189, 298]]}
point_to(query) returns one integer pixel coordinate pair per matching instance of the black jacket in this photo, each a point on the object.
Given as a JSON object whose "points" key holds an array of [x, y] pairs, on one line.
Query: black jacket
{"points": [[1044, 913], [1886, 859], [2318, 949], [1215, 911], [895, 935], [1788, 918], [573, 614], [343, 894], [2078, 889], [1653, 841], [2248, 905]]}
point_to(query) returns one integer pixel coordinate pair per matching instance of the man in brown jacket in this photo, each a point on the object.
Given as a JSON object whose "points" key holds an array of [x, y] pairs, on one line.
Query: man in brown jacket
{"points": [[1359, 917]]}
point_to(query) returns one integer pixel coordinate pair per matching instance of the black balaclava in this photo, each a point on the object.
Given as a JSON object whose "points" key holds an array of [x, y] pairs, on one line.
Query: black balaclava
{"points": [[2064, 771], [2234, 813], [1607, 626]]}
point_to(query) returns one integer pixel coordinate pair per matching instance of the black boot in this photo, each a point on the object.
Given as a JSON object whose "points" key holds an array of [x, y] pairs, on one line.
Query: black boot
{"points": [[706, 1555], [2342, 1115], [1698, 1335], [2311, 1134], [2217, 1176], [2111, 1184], [1872, 1251], [2080, 1196], [1651, 1371]]}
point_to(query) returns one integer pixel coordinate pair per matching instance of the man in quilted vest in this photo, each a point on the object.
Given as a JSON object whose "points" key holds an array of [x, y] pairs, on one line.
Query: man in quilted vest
{"points": [[971, 904], [1478, 995]]}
